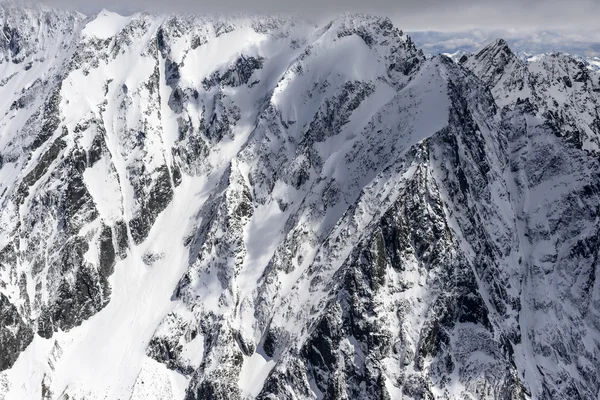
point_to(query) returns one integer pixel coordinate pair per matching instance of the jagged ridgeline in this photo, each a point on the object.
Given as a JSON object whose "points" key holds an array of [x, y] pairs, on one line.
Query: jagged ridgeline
{"points": [[201, 207]]}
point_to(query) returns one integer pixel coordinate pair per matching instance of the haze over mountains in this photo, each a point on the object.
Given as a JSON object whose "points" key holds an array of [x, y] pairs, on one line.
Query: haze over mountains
{"points": [[203, 207], [532, 42]]}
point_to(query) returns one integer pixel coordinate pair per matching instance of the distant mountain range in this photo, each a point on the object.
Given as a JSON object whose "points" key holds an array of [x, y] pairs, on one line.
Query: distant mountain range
{"points": [[591, 63], [586, 44]]}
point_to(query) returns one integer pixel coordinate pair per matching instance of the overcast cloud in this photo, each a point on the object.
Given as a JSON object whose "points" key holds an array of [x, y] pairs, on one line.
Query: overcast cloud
{"points": [[439, 15]]}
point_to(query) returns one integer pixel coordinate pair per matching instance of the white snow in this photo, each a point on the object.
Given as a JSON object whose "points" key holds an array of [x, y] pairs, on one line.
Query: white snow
{"points": [[255, 370], [116, 338], [104, 188], [106, 24], [156, 382], [217, 54]]}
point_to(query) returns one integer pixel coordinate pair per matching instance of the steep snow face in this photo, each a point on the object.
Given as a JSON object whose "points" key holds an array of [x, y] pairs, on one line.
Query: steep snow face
{"points": [[105, 25], [198, 207]]}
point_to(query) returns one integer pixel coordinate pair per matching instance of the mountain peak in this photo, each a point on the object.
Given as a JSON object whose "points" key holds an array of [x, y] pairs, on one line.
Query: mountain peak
{"points": [[495, 48], [105, 24], [500, 42], [353, 22], [491, 61]]}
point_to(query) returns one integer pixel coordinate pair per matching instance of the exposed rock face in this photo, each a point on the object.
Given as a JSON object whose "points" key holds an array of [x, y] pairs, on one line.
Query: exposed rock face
{"points": [[258, 208], [558, 86], [15, 333]]}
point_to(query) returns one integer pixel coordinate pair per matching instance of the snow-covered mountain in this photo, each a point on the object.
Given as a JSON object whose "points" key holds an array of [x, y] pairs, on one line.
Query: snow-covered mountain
{"points": [[592, 63], [577, 39], [204, 207], [561, 87]]}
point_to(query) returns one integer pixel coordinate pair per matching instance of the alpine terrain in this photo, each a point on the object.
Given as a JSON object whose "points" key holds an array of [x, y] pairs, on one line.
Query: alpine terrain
{"points": [[197, 207]]}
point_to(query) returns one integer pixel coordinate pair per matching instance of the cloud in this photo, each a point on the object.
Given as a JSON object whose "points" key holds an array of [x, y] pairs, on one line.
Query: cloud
{"points": [[455, 44], [516, 15]]}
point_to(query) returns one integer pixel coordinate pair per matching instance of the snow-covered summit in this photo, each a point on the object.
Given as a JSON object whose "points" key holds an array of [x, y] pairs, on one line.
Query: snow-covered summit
{"points": [[105, 24], [560, 85]]}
